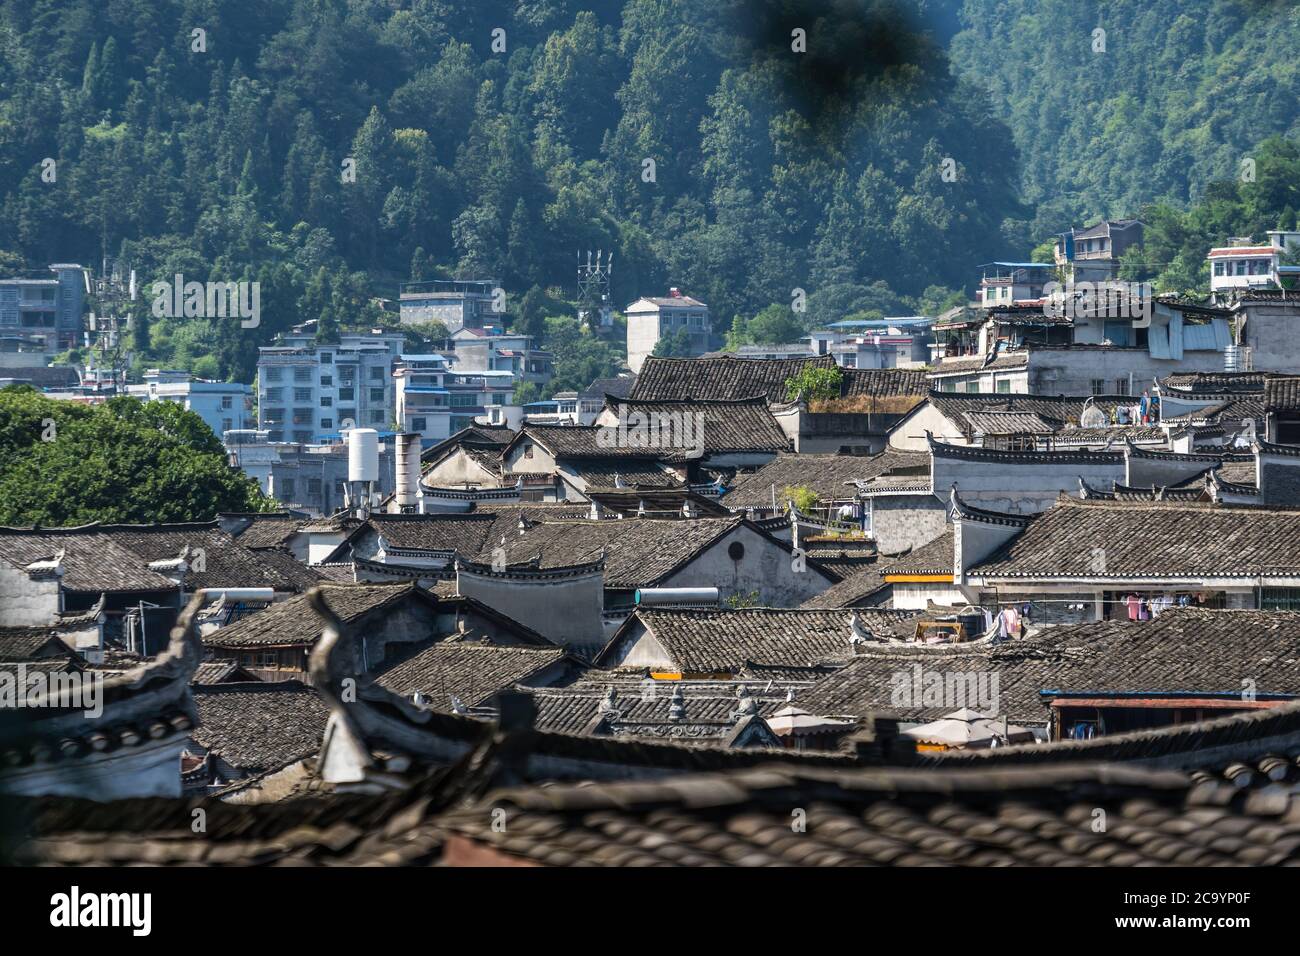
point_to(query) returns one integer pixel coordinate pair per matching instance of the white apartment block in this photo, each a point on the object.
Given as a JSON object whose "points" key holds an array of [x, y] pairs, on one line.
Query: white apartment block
{"points": [[224, 406], [649, 320]]}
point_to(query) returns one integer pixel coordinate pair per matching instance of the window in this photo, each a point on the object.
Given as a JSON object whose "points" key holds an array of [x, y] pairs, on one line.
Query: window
{"points": [[227, 424], [326, 358], [226, 403], [1004, 386], [973, 387], [1099, 386], [302, 394], [326, 401], [498, 398], [313, 486], [463, 401], [347, 414], [286, 488], [528, 451], [376, 373], [1121, 386], [1279, 599], [327, 423], [273, 374], [302, 374], [347, 373], [377, 417], [377, 394], [1218, 268], [327, 381], [419, 424], [347, 394], [302, 437], [735, 551], [274, 394]]}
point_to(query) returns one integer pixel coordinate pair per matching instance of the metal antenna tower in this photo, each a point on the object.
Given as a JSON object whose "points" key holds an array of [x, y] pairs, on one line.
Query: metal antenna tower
{"points": [[594, 299]]}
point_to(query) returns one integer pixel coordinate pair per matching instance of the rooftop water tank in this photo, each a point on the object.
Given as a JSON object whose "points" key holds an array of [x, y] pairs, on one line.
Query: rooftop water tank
{"points": [[363, 454]]}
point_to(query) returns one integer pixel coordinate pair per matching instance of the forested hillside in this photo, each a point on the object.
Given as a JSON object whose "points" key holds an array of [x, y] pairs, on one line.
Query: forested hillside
{"points": [[495, 138], [1181, 94], [772, 170]]}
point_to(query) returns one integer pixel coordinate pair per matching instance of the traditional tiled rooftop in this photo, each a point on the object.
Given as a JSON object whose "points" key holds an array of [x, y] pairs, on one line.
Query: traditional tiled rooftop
{"points": [[727, 379], [1156, 540], [471, 672]]}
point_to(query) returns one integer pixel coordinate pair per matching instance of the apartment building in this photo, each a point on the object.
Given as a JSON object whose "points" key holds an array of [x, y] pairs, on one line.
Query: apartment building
{"points": [[309, 392], [649, 320], [224, 406], [45, 310]]}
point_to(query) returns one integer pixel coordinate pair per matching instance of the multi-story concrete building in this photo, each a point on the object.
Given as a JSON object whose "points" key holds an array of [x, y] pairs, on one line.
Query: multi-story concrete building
{"points": [[422, 397], [225, 406], [309, 392], [1093, 254], [1243, 264], [45, 310], [475, 350], [475, 304], [649, 320], [1006, 283]]}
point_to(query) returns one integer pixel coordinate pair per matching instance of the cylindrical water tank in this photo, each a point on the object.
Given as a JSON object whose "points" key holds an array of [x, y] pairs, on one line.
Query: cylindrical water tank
{"points": [[408, 468], [650, 597], [363, 454]]}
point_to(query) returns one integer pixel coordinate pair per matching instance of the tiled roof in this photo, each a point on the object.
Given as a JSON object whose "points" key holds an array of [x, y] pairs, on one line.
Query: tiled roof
{"points": [[998, 817], [260, 725], [883, 381], [883, 817], [42, 376], [28, 643], [473, 672], [483, 438], [991, 422], [580, 442], [728, 426], [935, 557], [975, 363], [270, 530], [683, 711], [1149, 541], [219, 672], [99, 558], [639, 552], [292, 622], [827, 475], [631, 472], [1282, 394], [93, 560], [728, 379], [856, 587], [1183, 651], [464, 533], [657, 501], [955, 405], [1064, 457], [704, 641], [1214, 382], [227, 563], [299, 576], [620, 387]]}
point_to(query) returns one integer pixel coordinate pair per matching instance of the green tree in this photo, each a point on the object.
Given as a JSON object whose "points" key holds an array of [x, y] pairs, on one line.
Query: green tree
{"points": [[123, 461]]}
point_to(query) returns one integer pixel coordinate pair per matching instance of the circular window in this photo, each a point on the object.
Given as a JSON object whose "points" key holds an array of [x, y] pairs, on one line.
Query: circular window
{"points": [[736, 551]]}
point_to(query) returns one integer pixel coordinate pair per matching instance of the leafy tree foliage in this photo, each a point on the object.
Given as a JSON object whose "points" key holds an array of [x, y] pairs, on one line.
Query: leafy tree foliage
{"points": [[331, 148], [124, 461]]}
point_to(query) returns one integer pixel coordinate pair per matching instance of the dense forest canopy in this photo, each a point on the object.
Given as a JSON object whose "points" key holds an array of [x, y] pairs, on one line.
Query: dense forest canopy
{"points": [[875, 169]]}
